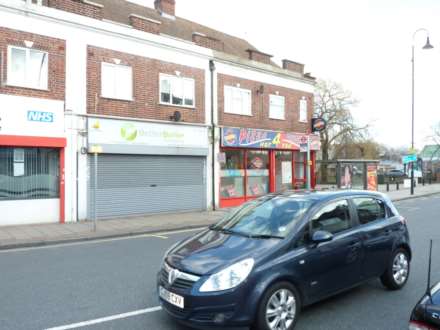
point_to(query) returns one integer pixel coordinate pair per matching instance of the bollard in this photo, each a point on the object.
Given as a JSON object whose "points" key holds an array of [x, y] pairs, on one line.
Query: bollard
{"points": [[397, 185], [388, 186], [430, 180], [423, 181]]}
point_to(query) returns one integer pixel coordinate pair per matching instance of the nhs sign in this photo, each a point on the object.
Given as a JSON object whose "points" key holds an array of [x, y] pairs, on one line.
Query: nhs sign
{"points": [[44, 117]]}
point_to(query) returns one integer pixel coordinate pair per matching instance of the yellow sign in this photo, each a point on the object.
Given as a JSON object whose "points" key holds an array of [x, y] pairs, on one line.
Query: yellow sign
{"points": [[96, 149]]}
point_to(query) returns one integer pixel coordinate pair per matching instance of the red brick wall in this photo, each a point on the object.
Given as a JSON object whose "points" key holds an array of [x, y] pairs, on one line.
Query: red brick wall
{"points": [[293, 66], [77, 7], [55, 48], [145, 25], [259, 57], [260, 106], [145, 88]]}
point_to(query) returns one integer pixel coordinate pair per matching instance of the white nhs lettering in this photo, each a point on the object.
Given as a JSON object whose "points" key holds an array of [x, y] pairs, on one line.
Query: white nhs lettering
{"points": [[45, 117]]}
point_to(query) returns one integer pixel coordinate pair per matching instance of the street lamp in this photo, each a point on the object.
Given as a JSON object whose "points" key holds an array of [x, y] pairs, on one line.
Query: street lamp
{"points": [[427, 46]]}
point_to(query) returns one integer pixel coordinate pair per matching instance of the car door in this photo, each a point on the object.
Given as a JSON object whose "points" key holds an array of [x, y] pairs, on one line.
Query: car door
{"points": [[377, 234], [334, 265]]}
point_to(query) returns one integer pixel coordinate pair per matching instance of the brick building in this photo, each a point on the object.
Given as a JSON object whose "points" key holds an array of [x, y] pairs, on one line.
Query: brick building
{"points": [[184, 117]]}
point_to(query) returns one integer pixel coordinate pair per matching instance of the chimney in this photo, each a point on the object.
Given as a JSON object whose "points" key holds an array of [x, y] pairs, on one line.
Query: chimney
{"points": [[145, 24], [293, 66], [166, 7], [258, 56]]}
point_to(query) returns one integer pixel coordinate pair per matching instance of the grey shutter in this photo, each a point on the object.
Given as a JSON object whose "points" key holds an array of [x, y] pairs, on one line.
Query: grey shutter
{"points": [[130, 185]]}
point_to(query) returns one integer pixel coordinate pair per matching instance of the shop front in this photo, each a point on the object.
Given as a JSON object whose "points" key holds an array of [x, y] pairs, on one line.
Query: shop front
{"points": [[32, 146], [146, 168], [256, 162]]}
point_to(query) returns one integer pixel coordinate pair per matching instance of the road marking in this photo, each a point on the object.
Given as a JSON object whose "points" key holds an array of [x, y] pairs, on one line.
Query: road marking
{"points": [[106, 319], [160, 235]]}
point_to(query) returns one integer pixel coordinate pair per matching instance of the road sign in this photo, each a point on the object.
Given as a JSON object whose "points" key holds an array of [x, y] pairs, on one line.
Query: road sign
{"points": [[409, 159]]}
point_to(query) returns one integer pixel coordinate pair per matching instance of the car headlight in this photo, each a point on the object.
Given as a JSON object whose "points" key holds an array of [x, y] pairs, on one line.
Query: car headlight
{"points": [[229, 277]]}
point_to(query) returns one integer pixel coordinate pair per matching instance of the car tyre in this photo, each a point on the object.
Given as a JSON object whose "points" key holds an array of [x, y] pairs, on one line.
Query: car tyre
{"points": [[280, 306], [397, 273]]}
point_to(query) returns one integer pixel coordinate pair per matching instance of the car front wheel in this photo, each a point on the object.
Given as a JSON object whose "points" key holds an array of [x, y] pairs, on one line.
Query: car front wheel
{"points": [[279, 308], [397, 273]]}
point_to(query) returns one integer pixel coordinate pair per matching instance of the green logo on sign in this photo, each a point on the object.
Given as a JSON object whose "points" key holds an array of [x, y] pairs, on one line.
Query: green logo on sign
{"points": [[129, 132]]}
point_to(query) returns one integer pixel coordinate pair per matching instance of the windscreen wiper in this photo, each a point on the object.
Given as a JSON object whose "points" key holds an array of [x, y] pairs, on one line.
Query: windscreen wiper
{"points": [[228, 231], [265, 236]]}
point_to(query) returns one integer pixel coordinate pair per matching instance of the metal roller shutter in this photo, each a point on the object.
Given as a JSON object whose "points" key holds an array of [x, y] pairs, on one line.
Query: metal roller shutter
{"points": [[130, 185]]}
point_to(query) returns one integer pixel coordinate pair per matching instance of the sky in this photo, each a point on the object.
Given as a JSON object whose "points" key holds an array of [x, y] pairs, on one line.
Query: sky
{"points": [[365, 45]]}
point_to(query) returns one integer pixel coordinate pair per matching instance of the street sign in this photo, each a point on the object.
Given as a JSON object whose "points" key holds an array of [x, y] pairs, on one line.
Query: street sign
{"points": [[409, 159]]}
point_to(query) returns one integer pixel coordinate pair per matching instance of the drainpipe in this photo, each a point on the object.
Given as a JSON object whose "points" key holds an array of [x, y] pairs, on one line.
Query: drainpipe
{"points": [[212, 69]]}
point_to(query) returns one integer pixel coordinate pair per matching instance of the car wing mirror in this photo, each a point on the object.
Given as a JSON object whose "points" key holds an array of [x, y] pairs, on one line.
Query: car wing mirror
{"points": [[321, 236], [433, 313]]}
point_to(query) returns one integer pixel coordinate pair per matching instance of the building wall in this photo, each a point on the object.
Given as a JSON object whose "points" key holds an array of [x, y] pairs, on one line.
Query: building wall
{"points": [[56, 48], [145, 103], [260, 106]]}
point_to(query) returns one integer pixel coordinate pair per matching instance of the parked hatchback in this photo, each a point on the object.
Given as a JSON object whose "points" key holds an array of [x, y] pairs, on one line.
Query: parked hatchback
{"points": [[272, 256]]}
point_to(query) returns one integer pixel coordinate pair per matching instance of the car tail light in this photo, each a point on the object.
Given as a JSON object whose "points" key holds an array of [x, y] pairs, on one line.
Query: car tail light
{"points": [[419, 326]]}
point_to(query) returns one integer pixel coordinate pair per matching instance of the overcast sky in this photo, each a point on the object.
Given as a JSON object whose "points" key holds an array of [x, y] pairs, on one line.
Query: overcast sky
{"points": [[364, 44]]}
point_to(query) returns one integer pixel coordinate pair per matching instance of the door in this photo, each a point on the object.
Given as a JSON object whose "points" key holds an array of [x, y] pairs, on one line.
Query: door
{"points": [[130, 185], [377, 235], [283, 170], [334, 265]]}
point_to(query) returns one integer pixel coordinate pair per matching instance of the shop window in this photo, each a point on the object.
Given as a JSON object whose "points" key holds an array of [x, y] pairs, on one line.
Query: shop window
{"points": [[238, 101], [257, 173], [232, 174], [283, 170], [177, 90], [27, 67], [303, 110], [29, 173], [116, 81], [276, 108]]}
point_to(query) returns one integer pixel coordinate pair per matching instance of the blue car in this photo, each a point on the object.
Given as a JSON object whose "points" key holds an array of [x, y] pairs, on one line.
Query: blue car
{"points": [[274, 255]]}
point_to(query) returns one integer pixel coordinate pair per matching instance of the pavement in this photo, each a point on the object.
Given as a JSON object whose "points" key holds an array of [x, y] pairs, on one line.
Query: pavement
{"points": [[111, 284], [47, 234]]}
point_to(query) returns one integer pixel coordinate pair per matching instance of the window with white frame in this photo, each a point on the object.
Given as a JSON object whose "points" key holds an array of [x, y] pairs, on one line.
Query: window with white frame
{"points": [[238, 101], [177, 91], [303, 110], [116, 81], [276, 107], [27, 67]]}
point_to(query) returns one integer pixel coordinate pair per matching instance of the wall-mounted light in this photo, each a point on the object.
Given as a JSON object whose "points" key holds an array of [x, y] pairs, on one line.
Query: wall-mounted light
{"points": [[178, 73], [238, 85], [117, 61], [28, 44], [277, 93]]}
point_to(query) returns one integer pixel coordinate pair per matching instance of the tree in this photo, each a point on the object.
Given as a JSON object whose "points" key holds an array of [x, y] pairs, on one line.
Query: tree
{"points": [[334, 103], [363, 149]]}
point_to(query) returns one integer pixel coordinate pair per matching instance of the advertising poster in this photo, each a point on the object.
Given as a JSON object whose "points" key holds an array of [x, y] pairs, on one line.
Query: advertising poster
{"points": [[286, 172], [372, 177], [346, 176]]}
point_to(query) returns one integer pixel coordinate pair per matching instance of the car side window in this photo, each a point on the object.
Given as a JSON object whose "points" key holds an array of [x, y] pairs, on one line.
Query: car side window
{"points": [[369, 209], [333, 217]]}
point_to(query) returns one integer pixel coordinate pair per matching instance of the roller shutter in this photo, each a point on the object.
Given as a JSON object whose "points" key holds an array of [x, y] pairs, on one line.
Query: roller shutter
{"points": [[130, 185]]}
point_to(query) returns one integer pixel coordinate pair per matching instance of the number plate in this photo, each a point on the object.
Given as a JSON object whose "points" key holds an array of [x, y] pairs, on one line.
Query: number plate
{"points": [[172, 298]]}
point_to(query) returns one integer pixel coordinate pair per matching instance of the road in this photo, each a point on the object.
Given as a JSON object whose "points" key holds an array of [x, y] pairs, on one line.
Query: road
{"points": [[111, 284]]}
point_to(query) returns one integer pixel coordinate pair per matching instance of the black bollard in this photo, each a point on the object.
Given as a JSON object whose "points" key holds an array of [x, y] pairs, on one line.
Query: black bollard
{"points": [[388, 186], [397, 185]]}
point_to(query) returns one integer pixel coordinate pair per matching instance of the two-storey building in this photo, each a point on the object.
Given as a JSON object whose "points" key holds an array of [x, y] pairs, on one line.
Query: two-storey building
{"points": [[184, 117]]}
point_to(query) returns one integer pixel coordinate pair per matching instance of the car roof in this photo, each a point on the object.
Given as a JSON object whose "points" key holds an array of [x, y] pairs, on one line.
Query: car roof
{"points": [[325, 195]]}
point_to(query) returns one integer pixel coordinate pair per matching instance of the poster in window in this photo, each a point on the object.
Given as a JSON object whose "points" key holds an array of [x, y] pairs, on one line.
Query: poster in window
{"points": [[372, 177], [286, 172], [346, 176]]}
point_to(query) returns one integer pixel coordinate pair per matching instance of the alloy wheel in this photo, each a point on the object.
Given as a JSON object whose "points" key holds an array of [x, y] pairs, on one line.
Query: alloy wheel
{"points": [[400, 268], [281, 310]]}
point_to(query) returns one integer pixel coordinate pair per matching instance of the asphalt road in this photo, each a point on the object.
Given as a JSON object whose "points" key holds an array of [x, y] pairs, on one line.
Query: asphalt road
{"points": [[100, 282]]}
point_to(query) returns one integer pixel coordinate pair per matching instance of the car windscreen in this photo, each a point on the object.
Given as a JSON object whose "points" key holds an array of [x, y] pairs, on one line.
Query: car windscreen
{"points": [[268, 217]]}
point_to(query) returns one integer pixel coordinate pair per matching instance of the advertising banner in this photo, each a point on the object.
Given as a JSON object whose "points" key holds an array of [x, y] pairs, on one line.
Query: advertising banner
{"points": [[262, 139], [372, 177]]}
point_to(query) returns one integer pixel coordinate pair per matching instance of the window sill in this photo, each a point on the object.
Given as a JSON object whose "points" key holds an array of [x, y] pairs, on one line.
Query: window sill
{"points": [[303, 121], [239, 114], [116, 99], [281, 119], [9, 84], [177, 106]]}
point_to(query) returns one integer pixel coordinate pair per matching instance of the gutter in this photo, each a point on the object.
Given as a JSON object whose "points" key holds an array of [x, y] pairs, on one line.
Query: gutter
{"points": [[212, 69]]}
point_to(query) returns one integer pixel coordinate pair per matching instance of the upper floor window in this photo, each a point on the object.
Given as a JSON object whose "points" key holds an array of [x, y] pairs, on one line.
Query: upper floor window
{"points": [[116, 81], [177, 90], [238, 101], [276, 107], [27, 67], [303, 110]]}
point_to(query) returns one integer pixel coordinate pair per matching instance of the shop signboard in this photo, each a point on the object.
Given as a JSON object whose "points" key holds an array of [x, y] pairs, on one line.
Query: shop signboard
{"points": [[27, 116], [262, 139], [137, 135], [409, 159]]}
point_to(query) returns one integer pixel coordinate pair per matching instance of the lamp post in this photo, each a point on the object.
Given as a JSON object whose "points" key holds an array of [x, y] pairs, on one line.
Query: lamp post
{"points": [[427, 46]]}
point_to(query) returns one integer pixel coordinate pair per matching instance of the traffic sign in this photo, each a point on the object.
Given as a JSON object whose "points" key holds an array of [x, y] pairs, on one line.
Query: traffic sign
{"points": [[409, 159]]}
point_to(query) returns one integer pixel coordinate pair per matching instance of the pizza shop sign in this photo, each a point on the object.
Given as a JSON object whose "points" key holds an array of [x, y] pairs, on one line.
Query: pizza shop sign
{"points": [[262, 139]]}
